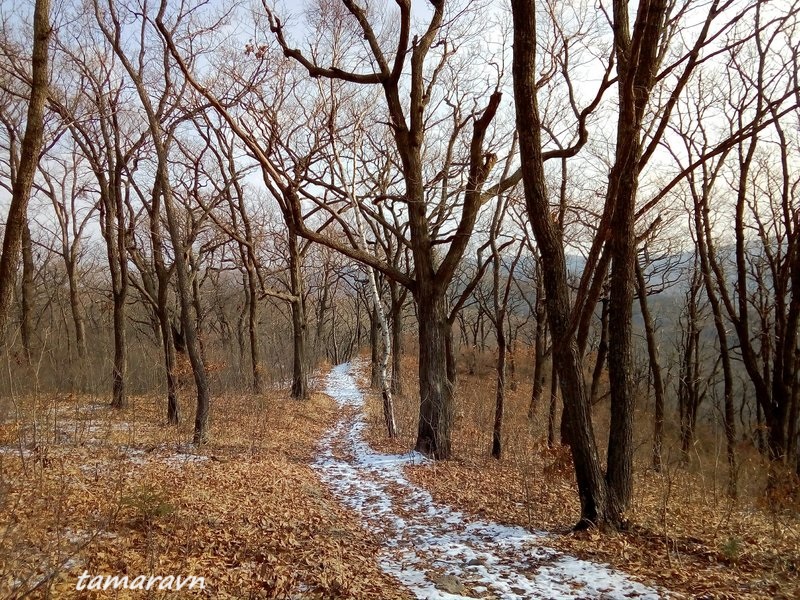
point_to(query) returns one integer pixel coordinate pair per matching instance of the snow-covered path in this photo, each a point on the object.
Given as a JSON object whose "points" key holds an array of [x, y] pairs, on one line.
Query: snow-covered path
{"points": [[438, 552]]}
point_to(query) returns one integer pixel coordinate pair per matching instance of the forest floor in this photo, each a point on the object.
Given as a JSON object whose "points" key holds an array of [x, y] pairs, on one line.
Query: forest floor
{"points": [[310, 500], [84, 488], [686, 535], [434, 550]]}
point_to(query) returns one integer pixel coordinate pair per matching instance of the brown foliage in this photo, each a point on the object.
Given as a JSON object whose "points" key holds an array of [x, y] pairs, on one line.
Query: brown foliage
{"points": [[114, 493]]}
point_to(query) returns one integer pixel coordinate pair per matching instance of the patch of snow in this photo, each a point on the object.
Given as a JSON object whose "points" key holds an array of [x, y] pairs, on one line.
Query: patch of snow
{"points": [[475, 556], [181, 459], [135, 456], [16, 450]]}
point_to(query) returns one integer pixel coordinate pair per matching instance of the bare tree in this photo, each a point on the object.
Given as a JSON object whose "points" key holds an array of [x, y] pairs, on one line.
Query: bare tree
{"points": [[111, 27], [28, 157]]}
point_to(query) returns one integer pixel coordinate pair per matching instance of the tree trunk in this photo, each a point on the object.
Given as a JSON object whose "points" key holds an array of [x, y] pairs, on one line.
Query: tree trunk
{"points": [[173, 413], [619, 472], [375, 351], [28, 159], [637, 62], [436, 392], [538, 353], [27, 293], [592, 489], [602, 353], [112, 201], [397, 340], [500, 391], [119, 398], [655, 370], [240, 333], [553, 411], [299, 369], [163, 275], [452, 364], [77, 313], [257, 383], [197, 305], [722, 339]]}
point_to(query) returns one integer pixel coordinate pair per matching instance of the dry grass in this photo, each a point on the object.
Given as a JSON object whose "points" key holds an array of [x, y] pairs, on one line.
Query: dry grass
{"points": [[686, 536], [85, 488]]}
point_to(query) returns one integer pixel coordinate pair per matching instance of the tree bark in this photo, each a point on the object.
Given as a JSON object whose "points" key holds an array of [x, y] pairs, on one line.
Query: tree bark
{"points": [[173, 412], [26, 324], [638, 58], [28, 159], [163, 275], [592, 489], [553, 411], [436, 392], [299, 368], [655, 370], [602, 353], [257, 382], [75, 308], [375, 350], [500, 392], [539, 350], [397, 338]]}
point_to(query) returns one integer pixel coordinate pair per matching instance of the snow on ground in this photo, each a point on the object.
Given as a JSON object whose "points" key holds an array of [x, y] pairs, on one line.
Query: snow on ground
{"points": [[438, 552]]}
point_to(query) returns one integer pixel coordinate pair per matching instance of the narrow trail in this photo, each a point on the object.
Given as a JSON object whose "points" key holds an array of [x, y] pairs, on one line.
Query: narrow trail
{"points": [[438, 552]]}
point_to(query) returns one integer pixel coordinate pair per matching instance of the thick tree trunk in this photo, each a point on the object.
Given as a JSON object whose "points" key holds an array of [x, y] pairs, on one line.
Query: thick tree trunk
{"points": [[28, 159], [197, 305], [637, 62], [187, 315], [163, 275], [619, 473], [452, 364], [114, 225], [436, 392]]}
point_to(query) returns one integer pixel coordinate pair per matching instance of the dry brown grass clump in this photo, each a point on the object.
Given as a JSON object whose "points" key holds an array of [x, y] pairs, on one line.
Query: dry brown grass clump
{"points": [[686, 535], [85, 488]]}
